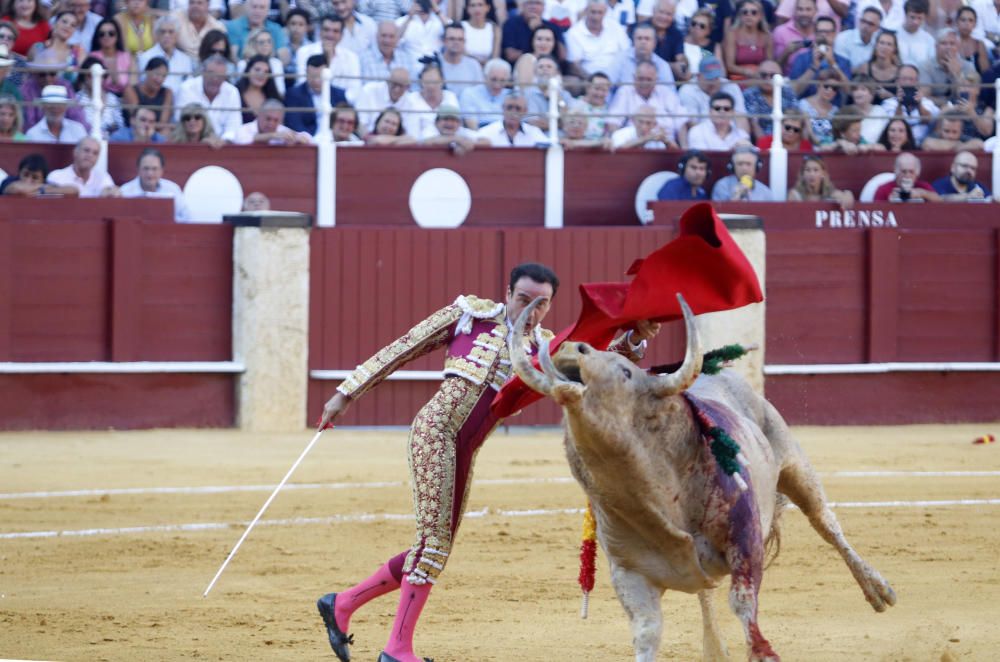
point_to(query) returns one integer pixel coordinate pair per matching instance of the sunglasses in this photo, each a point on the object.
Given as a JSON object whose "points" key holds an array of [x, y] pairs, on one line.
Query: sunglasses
{"points": [[722, 109], [107, 33], [6, 37], [218, 51], [828, 86], [792, 128], [699, 24], [188, 118], [749, 12]]}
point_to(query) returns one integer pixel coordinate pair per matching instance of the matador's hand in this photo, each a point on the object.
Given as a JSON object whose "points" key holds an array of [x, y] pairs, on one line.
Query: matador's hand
{"points": [[333, 409], [645, 330]]}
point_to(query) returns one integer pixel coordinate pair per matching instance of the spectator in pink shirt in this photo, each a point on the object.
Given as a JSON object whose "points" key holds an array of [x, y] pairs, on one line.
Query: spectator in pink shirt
{"points": [[788, 38]]}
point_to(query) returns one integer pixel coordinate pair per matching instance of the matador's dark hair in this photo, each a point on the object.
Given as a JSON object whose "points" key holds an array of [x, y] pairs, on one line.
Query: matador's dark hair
{"points": [[536, 272]]}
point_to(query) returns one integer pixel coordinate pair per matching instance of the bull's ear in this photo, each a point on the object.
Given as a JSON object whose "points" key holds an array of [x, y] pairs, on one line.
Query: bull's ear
{"points": [[567, 393]]}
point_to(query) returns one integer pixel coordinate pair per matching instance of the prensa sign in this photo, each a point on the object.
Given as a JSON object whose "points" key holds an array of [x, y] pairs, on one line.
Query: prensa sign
{"points": [[855, 218]]}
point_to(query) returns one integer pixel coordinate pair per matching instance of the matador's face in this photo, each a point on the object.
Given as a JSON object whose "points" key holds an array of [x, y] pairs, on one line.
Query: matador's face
{"points": [[525, 291]]}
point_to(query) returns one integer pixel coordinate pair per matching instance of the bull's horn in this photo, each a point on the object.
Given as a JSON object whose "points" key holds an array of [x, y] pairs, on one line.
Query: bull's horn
{"points": [[548, 367], [676, 382], [535, 380]]}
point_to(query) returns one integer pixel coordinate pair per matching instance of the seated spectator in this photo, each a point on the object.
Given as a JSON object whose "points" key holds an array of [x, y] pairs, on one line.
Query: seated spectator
{"points": [[136, 23], [152, 92], [119, 63], [518, 30], [86, 23], [378, 95], [459, 70], [970, 47], [916, 44], [8, 84], [85, 180], [11, 122], [834, 10], [422, 29], [389, 130], [642, 50], [193, 25], [898, 136], [592, 44], [873, 117], [564, 13], [538, 94], [847, 136], [747, 42], [179, 64], [669, 37], [809, 64], [483, 104], [420, 106], [63, 26], [883, 67], [257, 86], [385, 54], [907, 186], [308, 95], [268, 129], [742, 184], [792, 36], [142, 129], [947, 136], [448, 130], [758, 99], [260, 47], [194, 127], [211, 90], [795, 135], [645, 92], [694, 170], [359, 29], [256, 201], [574, 132], [858, 45], [44, 73], [941, 73], [482, 29], [345, 124], [216, 42], [644, 132], [698, 42], [821, 106], [720, 131], [892, 11], [961, 185], [298, 27], [383, 10], [544, 41], [150, 183], [696, 96], [111, 116], [32, 26], [814, 185], [512, 130], [978, 117], [55, 127], [912, 103], [594, 106], [344, 64], [255, 18], [29, 182]]}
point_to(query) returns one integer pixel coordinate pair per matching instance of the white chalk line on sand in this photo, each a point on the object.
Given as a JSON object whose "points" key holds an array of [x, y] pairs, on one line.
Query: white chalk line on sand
{"points": [[223, 489], [402, 517]]}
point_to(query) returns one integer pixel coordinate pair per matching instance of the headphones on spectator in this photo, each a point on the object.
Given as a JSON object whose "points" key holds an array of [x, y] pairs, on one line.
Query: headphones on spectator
{"points": [[745, 150], [694, 154]]}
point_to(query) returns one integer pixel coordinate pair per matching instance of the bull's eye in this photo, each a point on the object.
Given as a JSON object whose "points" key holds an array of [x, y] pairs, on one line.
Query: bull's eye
{"points": [[628, 373]]}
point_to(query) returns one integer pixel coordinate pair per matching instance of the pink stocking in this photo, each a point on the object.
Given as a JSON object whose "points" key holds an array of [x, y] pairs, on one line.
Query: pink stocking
{"points": [[412, 599], [352, 599]]}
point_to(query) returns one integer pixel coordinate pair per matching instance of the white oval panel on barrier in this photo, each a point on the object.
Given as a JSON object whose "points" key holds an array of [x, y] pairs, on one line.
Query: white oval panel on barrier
{"points": [[212, 192], [647, 192], [440, 198]]}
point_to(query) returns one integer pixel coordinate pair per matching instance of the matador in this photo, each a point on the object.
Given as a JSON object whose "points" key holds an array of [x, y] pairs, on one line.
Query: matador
{"points": [[444, 439]]}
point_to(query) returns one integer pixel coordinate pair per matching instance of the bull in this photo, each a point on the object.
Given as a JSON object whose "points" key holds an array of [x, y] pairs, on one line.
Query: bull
{"points": [[669, 514]]}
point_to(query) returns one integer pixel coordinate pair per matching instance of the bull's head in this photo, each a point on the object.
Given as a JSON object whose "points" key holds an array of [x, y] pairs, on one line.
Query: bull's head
{"points": [[578, 367]]}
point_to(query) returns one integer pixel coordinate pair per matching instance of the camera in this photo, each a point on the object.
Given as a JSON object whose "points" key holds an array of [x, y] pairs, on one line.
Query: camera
{"points": [[425, 6], [909, 96], [823, 48], [964, 96]]}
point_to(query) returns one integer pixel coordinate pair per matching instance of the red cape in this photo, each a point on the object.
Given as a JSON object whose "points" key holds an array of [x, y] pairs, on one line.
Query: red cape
{"points": [[703, 263]]}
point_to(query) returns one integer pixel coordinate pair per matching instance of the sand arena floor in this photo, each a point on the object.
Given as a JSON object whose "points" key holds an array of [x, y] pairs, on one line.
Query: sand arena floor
{"points": [[124, 579]]}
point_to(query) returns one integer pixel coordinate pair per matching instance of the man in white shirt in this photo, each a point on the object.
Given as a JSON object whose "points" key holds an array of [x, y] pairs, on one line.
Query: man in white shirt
{"points": [[150, 183], [857, 45], [344, 65], [268, 128], [512, 131], [643, 132], [642, 50], [359, 29], [421, 31], [916, 45], [594, 45], [82, 175], [460, 71], [696, 96], [645, 92], [179, 64], [211, 91], [378, 95], [385, 54], [86, 24], [54, 126], [719, 132]]}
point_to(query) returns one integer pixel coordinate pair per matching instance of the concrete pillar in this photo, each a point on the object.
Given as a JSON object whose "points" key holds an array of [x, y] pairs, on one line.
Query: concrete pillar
{"points": [[271, 318], [744, 325]]}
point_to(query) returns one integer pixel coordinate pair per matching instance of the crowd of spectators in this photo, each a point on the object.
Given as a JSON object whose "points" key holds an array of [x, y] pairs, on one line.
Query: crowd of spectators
{"points": [[861, 76]]}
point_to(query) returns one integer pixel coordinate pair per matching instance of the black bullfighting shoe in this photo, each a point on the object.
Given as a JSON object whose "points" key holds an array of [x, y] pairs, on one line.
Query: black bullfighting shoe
{"points": [[339, 641], [385, 657]]}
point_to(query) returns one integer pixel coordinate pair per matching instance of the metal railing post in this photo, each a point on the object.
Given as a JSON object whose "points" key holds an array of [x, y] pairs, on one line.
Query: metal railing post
{"points": [[555, 165], [326, 160], [779, 155]]}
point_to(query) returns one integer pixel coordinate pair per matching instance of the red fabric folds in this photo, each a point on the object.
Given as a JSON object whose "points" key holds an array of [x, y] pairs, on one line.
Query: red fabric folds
{"points": [[703, 263]]}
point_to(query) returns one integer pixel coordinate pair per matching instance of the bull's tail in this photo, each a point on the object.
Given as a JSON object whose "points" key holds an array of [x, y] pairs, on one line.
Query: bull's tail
{"points": [[772, 544]]}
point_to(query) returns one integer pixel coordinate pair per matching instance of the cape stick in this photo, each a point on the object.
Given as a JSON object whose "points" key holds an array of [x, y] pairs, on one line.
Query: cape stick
{"points": [[262, 509]]}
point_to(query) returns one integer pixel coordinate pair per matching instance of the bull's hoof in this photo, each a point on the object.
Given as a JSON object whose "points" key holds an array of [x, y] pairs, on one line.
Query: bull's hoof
{"points": [[878, 592]]}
